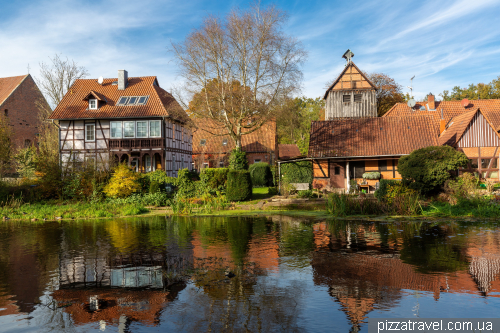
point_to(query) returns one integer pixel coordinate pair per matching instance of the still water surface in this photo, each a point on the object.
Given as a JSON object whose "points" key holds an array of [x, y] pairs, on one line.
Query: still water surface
{"points": [[243, 274]]}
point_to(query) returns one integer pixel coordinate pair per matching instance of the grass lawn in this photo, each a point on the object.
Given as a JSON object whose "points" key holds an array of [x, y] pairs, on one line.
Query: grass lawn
{"points": [[259, 193]]}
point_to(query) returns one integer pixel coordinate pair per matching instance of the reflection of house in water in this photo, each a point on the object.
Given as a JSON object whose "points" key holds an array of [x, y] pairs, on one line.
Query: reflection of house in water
{"points": [[374, 275], [120, 288]]}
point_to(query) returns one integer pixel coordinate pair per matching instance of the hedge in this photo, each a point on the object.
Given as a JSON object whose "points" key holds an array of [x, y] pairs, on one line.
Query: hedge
{"points": [[239, 185], [261, 174], [214, 179], [381, 193], [238, 160], [186, 186], [297, 172]]}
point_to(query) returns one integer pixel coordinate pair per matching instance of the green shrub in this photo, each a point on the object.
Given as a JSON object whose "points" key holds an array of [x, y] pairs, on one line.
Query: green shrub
{"points": [[154, 187], [261, 174], [305, 194], [381, 193], [123, 183], [239, 185], [297, 172], [272, 190], [186, 186], [214, 179], [238, 160], [427, 169]]}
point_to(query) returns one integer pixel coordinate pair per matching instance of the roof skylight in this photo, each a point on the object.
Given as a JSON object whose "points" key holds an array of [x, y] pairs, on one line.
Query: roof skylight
{"points": [[132, 100]]}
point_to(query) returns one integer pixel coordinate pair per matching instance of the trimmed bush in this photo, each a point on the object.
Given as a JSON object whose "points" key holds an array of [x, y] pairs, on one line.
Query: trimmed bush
{"points": [[238, 160], [297, 172], [381, 193], [239, 185], [213, 180], [427, 169], [261, 174], [186, 186]]}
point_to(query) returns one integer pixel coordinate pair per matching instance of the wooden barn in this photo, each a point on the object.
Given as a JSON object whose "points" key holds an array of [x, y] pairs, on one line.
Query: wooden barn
{"points": [[130, 120]]}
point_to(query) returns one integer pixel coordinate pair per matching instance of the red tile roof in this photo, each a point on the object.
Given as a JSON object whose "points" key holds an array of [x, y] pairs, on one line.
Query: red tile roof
{"points": [[489, 107], [8, 85], [261, 140], [159, 104], [457, 127], [288, 151], [351, 137]]}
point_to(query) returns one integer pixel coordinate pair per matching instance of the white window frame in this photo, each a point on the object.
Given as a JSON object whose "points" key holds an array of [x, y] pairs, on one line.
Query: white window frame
{"points": [[205, 165], [87, 131], [135, 102], [111, 129], [149, 128], [137, 127], [90, 104], [128, 137]]}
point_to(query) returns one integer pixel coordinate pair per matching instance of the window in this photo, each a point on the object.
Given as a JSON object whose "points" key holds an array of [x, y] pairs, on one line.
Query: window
{"points": [[203, 142], [221, 164], [205, 165], [256, 161], [346, 98], [337, 170], [122, 101], [154, 128], [174, 167], [382, 165], [89, 132], [128, 129], [485, 163], [116, 129], [92, 104], [6, 112], [147, 159], [132, 100], [224, 142], [142, 129], [494, 165], [356, 169], [358, 98], [142, 100]]}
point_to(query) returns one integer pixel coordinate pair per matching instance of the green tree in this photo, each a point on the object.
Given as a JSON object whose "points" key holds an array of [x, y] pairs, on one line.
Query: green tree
{"points": [[238, 160], [474, 91], [427, 169], [25, 162], [294, 120]]}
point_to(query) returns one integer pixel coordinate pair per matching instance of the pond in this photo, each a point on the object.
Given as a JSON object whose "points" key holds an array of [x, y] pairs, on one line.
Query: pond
{"points": [[258, 274]]}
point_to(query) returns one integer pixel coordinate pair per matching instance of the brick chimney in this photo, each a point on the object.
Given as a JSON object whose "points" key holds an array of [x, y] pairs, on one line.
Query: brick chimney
{"points": [[430, 101], [122, 79]]}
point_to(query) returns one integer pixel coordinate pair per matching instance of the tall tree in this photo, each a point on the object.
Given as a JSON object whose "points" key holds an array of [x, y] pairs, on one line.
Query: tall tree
{"points": [[242, 66], [389, 92], [474, 91], [294, 120], [5, 145]]}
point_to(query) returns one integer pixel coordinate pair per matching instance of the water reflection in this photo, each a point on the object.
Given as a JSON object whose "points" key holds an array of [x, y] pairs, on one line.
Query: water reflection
{"points": [[235, 273]]}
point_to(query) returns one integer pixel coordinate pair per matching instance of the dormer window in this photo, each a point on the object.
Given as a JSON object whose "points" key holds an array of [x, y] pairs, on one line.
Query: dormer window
{"points": [[92, 104]]}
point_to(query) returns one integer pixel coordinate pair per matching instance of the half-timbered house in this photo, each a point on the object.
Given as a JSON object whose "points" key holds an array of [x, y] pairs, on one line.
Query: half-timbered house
{"points": [[130, 120]]}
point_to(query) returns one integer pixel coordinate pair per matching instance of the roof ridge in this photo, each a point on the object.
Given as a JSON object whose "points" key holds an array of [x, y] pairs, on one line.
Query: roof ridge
{"points": [[15, 88]]}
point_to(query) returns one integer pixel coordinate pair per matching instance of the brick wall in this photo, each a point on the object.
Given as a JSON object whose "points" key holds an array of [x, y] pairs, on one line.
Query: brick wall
{"points": [[22, 112]]}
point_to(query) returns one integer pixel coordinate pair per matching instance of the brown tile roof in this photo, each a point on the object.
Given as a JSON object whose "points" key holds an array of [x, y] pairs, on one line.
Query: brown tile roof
{"points": [[456, 128], [8, 85], [261, 140], [288, 151], [371, 136], [159, 104], [489, 107]]}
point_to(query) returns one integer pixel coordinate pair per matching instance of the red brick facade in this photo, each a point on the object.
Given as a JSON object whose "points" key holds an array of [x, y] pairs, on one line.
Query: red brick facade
{"points": [[20, 107]]}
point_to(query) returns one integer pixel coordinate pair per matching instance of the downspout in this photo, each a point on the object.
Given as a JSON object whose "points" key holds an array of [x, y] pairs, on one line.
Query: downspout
{"points": [[348, 180]]}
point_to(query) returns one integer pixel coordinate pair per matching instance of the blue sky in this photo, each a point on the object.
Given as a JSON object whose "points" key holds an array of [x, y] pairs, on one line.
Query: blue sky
{"points": [[442, 43]]}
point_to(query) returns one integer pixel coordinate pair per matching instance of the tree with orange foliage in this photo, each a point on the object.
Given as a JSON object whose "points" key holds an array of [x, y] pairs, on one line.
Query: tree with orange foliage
{"points": [[389, 92]]}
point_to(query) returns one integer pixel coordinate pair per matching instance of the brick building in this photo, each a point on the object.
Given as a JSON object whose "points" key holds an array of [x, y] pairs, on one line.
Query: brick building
{"points": [[212, 150], [19, 101]]}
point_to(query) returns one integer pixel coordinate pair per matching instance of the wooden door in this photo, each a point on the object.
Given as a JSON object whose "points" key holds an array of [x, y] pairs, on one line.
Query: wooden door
{"points": [[337, 174]]}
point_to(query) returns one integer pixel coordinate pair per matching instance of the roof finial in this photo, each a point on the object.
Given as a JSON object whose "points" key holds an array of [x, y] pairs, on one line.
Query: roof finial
{"points": [[348, 56]]}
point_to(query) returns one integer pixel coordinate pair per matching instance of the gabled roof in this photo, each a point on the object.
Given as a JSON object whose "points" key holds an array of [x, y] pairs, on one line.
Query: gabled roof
{"points": [[159, 104], [489, 107], [350, 77], [288, 151], [8, 85], [261, 140], [390, 136]]}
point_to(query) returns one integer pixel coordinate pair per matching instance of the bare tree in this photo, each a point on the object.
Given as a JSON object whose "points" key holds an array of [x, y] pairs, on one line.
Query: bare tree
{"points": [[58, 76], [238, 69]]}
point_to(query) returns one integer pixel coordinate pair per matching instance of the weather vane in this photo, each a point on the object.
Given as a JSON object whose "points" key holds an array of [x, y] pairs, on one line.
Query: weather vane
{"points": [[348, 56]]}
